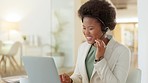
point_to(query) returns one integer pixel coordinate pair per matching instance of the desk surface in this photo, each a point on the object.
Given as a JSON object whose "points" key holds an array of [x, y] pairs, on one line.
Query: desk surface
{"points": [[13, 79]]}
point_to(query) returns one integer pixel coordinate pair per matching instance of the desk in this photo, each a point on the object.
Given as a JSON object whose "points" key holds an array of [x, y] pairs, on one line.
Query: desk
{"points": [[68, 70], [13, 79]]}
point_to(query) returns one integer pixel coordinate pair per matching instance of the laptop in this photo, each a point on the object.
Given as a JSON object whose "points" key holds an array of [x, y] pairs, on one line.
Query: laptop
{"points": [[41, 69]]}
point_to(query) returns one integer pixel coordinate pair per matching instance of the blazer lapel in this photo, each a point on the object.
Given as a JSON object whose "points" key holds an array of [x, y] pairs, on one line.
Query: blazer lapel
{"points": [[93, 73], [85, 52], [107, 55]]}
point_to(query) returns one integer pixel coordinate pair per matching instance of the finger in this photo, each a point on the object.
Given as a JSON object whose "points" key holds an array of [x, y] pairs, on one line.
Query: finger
{"points": [[97, 43], [63, 77], [103, 44], [66, 77]]}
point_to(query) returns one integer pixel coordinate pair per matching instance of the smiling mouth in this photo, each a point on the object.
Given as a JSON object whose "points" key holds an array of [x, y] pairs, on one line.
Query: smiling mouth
{"points": [[89, 38]]}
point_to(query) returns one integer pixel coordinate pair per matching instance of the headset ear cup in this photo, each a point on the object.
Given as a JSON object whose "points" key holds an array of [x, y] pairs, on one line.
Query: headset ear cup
{"points": [[105, 30]]}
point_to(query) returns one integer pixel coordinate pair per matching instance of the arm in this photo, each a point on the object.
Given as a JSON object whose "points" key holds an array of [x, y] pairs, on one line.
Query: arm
{"points": [[120, 71], [76, 76]]}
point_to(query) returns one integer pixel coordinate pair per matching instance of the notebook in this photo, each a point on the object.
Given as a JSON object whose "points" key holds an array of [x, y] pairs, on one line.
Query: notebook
{"points": [[41, 69]]}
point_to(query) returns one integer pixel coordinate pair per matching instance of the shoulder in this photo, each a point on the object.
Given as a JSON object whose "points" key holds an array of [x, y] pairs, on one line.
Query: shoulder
{"points": [[83, 48], [122, 48], [122, 51], [83, 45], [118, 48]]}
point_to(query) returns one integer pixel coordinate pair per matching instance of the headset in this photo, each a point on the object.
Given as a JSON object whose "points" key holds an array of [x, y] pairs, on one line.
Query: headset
{"points": [[104, 32], [105, 29]]}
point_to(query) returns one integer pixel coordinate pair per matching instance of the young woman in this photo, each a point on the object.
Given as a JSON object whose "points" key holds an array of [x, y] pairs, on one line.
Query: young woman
{"points": [[100, 59]]}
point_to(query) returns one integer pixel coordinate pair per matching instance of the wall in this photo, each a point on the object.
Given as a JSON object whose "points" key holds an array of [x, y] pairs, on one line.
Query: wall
{"points": [[35, 20], [142, 39], [123, 15], [38, 20], [64, 13], [34, 17], [78, 29]]}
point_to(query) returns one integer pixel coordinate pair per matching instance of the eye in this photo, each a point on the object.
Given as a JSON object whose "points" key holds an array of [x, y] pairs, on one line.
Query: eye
{"points": [[91, 28], [84, 28]]}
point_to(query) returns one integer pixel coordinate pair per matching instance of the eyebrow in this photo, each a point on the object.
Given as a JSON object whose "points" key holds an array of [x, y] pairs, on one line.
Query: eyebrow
{"points": [[88, 26]]}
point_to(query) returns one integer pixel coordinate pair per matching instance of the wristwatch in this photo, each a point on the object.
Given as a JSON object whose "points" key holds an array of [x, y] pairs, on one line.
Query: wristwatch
{"points": [[97, 60]]}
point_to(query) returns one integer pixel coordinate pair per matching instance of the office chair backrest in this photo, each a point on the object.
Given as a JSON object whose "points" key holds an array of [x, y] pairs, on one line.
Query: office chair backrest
{"points": [[1, 44], [14, 49], [134, 76]]}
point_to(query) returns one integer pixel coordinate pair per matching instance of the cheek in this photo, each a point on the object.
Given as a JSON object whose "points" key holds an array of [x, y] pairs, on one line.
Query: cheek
{"points": [[96, 35]]}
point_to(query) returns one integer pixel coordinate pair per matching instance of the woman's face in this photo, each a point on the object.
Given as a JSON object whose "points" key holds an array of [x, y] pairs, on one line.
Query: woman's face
{"points": [[91, 29]]}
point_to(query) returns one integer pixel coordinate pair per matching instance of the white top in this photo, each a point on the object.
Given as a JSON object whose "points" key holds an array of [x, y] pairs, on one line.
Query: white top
{"points": [[112, 69]]}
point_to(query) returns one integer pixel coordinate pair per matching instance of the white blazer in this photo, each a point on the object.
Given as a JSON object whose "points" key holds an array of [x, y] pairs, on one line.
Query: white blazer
{"points": [[112, 69]]}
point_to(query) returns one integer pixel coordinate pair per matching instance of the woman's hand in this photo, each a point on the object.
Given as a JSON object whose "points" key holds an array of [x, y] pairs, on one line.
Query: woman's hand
{"points": [[100, 45], [65, 78]]}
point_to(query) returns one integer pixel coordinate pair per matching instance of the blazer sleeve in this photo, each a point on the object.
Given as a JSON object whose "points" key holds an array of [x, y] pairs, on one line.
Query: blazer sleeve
{"points": [[120, 72], [76, 76]]}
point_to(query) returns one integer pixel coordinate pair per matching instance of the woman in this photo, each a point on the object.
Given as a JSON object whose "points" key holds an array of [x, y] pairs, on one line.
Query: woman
{"points": [[101, 59]]}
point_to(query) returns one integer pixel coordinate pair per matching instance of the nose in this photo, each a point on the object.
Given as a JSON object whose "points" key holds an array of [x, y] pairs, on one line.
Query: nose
{"points": [[86, 32]]}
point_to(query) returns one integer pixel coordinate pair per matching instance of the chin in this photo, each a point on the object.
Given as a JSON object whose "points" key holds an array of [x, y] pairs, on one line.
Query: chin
{"points": [[90, 42]]}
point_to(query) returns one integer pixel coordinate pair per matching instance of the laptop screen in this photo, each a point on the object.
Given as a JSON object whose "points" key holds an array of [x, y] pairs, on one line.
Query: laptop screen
{"points": [[41, 69]]}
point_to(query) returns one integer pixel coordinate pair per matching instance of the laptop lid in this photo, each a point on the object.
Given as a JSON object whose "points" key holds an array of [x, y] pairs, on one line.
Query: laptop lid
{"points": [[41, 69]]}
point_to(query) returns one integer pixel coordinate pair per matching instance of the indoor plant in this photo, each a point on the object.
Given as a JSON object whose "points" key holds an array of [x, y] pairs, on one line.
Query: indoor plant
{"points": [[57, 41]]}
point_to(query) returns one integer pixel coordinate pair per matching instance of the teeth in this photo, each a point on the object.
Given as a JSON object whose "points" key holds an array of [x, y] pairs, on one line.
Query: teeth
{"points": [[88, 38]]}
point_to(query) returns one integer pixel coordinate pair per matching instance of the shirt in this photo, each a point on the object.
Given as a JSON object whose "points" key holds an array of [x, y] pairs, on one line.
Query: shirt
{"points": [[89, 61]]}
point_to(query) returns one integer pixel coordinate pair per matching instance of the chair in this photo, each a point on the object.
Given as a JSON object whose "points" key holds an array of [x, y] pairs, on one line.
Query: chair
{"points": [[1, 60], [1, 44], [10, 56], [1, 48], [134, 76]]}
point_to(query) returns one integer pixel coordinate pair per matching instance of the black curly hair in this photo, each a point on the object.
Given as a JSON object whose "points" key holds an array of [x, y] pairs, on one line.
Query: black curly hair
{"points": [[102, 10]]}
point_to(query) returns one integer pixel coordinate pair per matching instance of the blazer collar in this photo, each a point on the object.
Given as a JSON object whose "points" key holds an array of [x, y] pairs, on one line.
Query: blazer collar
{"points": [[85, 52]]}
